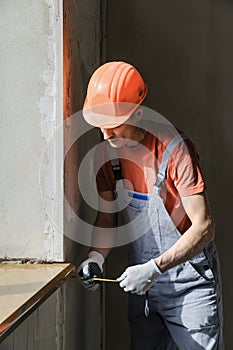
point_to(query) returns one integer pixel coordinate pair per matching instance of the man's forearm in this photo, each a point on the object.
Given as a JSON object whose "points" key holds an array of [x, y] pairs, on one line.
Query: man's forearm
{"points": [[188, 245], [104, 232]]}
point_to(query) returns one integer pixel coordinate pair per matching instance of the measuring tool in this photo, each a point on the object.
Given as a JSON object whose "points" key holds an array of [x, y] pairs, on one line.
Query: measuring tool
{"points": [[99, 279]]}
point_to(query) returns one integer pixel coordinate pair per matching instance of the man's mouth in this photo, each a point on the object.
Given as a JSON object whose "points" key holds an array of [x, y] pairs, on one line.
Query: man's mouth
{"points": [[113, 140], [116, 142]]}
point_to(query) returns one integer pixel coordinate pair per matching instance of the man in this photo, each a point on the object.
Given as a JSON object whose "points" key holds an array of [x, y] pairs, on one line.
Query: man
{"points": [[173, 278]]}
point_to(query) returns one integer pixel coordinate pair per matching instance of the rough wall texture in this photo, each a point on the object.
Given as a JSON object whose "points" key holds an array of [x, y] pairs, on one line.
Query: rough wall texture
{"points": [[83, 50], [31, 112], [184, 51], [31, 109]]}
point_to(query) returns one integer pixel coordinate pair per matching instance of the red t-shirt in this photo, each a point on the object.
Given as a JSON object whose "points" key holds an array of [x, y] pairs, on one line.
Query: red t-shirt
{"points": [[140, 164]]}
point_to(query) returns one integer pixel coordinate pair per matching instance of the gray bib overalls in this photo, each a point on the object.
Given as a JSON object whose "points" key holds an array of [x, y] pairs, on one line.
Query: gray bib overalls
{"points": [[185, 306]]}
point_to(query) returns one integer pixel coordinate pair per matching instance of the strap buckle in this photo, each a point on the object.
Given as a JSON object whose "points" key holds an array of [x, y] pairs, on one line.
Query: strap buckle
{"points": [[159, 179], [117, 171]]}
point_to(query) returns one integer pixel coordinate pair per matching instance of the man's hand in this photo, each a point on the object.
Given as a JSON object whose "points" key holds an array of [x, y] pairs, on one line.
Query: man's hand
{"points": [[139, 278], [92, 267]]}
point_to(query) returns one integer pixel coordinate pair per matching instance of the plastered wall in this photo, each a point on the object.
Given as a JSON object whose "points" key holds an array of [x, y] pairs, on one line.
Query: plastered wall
{"points": [[184, 51], [83, 52], [33, 175], [32, 168], [30, 113]]}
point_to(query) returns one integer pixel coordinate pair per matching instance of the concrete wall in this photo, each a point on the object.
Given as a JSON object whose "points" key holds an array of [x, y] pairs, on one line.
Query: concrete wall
{"points": [[183, 50], [31, 136], [31, 110], [31, 178], [83, 51]]}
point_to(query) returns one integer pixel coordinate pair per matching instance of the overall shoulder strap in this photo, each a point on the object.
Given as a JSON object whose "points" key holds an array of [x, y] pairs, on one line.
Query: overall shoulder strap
{"points": [[116, 168], [161, 176], [116, 165]]}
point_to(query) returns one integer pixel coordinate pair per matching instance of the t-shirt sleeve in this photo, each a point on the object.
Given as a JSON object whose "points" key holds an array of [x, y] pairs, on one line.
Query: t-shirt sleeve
{"points": [[103, 170], [185, 171], [102, 181]]}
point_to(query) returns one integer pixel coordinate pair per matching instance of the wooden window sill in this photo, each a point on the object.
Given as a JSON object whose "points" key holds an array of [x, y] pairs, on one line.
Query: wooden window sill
{"points": [[23, 287]]}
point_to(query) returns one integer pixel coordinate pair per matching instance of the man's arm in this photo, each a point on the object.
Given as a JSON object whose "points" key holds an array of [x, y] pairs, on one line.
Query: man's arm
{"points": [[200, 233], [139, 278], [103, 239]]}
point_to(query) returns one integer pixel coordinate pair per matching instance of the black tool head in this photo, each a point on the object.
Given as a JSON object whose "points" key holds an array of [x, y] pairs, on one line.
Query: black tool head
{"points": [[90, 271]]}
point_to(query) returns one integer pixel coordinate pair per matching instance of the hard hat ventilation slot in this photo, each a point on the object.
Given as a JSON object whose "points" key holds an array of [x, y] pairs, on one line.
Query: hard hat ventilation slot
{"points": [[141, 93]]}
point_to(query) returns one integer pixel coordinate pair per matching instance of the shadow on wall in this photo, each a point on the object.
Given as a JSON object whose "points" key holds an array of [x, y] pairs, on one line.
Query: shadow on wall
{"points": [[184, 54], [82, 21]]}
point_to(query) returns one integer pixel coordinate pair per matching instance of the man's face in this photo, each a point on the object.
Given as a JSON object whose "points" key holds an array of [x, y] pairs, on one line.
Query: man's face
{"points": [[124, 134]]}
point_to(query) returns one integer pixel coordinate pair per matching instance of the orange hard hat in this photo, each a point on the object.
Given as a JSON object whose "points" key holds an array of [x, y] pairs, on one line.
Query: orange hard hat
{"points": [[114, 91]]}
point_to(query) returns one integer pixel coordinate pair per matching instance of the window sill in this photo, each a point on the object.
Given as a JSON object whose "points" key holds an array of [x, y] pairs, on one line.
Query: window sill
{"points": [[23, 287]]}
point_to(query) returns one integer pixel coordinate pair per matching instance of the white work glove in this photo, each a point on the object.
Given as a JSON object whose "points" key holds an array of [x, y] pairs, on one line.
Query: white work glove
{"points": [[92, 267], [139, 278]]}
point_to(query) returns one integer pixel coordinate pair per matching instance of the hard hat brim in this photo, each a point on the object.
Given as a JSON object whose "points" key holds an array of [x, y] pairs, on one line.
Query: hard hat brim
{"points": [[105, 121]]}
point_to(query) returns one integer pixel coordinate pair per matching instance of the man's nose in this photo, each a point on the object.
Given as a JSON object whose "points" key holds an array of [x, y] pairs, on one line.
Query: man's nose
{"points": [[107, 133]]}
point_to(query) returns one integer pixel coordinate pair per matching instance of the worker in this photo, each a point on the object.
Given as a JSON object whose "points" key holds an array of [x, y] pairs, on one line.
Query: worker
{"points": [[173, 276]]}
